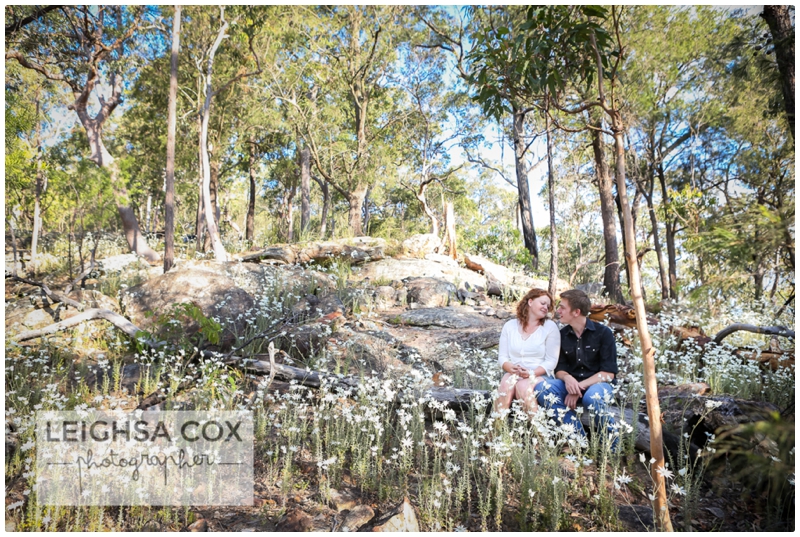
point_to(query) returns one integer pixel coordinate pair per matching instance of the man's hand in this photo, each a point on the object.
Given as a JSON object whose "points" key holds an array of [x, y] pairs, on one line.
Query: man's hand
{"points": [[573, 386], [571, 401]]}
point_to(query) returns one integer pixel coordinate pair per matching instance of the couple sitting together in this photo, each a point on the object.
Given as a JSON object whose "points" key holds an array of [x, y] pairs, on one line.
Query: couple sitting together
{"points": [[557, 369]]}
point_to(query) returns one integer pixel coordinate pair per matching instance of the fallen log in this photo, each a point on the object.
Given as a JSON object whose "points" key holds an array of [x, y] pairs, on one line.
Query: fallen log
{"points": [[617, 314], [455, 398], [769, 330], [52, 295], [96, 313], [356, 251], [771, 360]]}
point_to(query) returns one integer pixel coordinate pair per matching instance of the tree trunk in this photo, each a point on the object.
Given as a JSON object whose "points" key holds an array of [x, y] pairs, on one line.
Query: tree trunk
{"points": [[661, 511], [200, 225], [211, 214], [651, 180], [130, 225], [169, 197], [305, 190], [213, 189], [669, 232], [553, 281], [662, 269], [37, 218], [758, 280], [528, 231], [420, 195], [450, 229], [356, 200], [326, 203], [366, 210], [148, 220], [780, 25], [624, 243], [289, 213], [249, 228], [611, 284]]}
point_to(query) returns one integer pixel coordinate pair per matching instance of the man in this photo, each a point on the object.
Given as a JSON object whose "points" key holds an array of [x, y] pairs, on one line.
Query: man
{"points": [[587, 364]]}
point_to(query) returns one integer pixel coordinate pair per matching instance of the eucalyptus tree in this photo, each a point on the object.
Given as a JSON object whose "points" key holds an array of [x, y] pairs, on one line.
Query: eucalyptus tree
{"points": [[556, 37], [209, 91], [749, 229], [334, 86], [779, 19], [482, 52], [89, 49], [28, 118], [666, 88], [169, 182], [433, 126]]}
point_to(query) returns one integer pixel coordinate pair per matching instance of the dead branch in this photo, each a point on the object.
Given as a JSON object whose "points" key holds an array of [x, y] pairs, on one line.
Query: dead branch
{"points": [[53, 296], [769, 330], [95, 313], [83, 274]]}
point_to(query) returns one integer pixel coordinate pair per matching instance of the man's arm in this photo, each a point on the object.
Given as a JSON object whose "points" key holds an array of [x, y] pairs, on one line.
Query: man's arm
{"points": [[602, 376], [608, 361], [570, 383]]}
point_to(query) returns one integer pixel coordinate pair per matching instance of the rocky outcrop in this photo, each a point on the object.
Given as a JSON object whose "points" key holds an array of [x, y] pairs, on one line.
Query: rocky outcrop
{"points": [[441, 317], [422, 245], [355, 251], [259, 280], [401, 269], [215, 294], [429, 292], [403, 518]]}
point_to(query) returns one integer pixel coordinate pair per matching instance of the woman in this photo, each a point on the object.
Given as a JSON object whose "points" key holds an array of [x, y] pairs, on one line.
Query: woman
{"points": [[529, 347]]}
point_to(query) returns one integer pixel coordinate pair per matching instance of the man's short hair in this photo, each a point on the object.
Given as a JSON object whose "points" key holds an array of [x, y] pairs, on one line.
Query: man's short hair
{"points": [[577, 300]]}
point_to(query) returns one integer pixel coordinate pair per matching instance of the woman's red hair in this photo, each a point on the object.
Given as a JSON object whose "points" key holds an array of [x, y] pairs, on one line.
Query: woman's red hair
{"points": [[522, 307]]}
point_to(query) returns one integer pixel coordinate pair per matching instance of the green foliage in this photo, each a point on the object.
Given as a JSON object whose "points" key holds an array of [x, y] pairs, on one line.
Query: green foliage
{"points": [[519, 59], [173, 325], [501, 243], [761, 454]]}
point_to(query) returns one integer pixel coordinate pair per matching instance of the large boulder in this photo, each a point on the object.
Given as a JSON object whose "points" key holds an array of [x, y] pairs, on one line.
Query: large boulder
{"points": [[354, 251], [402, 518], [422, 245], [430, 292], [216, 295], [262, 280], [441, 317], [387, 270]]}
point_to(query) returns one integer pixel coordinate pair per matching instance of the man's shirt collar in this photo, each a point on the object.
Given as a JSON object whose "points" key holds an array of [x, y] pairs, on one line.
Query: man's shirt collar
{"points": [[590, 325]]}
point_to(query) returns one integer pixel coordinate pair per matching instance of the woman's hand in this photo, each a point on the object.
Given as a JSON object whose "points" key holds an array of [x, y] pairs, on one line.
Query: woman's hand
{"points": [[515, 369]]}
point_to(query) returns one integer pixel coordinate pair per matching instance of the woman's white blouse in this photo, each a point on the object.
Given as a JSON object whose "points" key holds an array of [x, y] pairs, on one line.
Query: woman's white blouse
{"points": [[540, 349]]}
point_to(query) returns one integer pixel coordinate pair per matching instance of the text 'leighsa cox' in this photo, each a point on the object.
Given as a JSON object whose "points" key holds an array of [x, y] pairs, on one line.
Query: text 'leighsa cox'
{"points": [[144, 458]]}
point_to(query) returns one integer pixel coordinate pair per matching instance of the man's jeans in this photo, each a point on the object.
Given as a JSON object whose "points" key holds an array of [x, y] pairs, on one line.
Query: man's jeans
{"points": [[554, 394]]}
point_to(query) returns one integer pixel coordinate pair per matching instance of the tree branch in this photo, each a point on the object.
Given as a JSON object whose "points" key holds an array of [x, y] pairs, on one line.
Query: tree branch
{"points": [[17, 25], [769, 330]]}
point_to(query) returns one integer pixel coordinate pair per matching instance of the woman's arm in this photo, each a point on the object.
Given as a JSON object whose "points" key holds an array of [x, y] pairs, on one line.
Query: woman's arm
{"points": [[502, 352], [552, 347]]}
